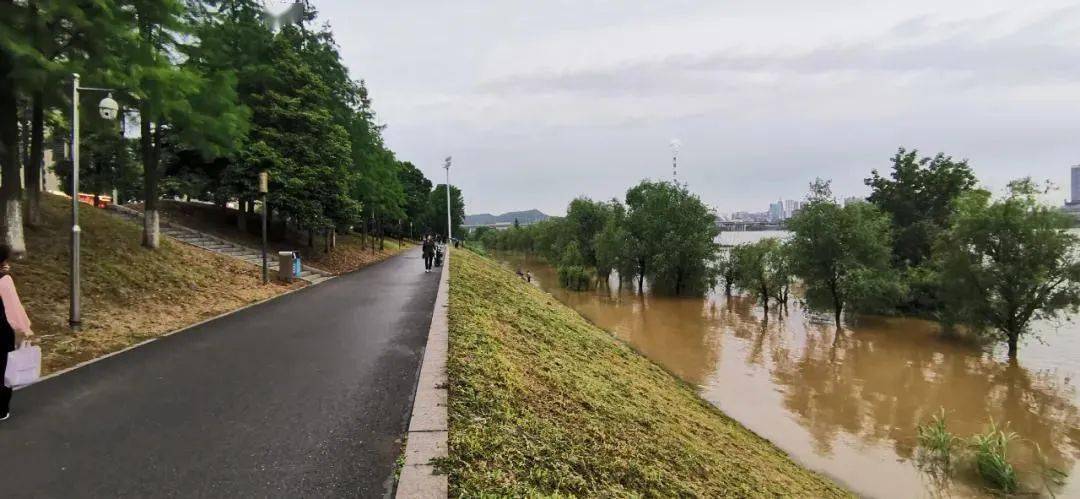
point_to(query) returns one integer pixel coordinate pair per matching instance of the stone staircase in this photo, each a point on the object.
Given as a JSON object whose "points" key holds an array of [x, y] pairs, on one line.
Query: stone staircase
{"points": [[220, 246]]}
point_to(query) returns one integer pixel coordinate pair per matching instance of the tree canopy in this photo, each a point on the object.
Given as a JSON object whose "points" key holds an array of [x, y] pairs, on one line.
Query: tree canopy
{"points": [[1006, 262]]}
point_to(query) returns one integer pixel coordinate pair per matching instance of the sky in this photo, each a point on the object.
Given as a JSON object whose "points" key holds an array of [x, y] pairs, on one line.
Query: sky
{"points": [[541, 102]]}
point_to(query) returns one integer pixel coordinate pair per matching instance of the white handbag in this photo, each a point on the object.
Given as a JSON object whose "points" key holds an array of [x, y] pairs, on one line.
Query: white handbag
{"points": [[23, 365]]}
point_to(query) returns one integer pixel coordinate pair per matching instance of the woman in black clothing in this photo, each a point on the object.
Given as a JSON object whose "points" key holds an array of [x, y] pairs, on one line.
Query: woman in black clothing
{"points": [[429, 252]]}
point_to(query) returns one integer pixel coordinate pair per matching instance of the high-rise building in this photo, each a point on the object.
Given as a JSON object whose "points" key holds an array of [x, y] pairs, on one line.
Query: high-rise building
{"points": [[1075, 187], [776, 211], [790, 207]]}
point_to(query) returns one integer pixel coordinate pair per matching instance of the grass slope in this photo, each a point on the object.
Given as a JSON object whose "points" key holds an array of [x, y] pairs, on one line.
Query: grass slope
{"points": [[129, 293], [542, 402], [352, 252]]}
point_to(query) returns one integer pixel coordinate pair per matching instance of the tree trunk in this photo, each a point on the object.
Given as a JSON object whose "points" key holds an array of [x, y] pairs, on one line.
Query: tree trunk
{"points": [[311, 238], [34, 168], [241, 216], [839, 311], [149, 143], [10, 181], [1013, 345]]}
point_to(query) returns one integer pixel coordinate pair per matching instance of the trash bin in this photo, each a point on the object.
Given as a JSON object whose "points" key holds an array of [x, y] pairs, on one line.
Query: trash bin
{"points": [[297, 266], [287, 261]]}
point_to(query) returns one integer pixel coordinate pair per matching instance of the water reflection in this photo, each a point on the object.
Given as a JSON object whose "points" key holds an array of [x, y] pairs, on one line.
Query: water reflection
{"points": [[846, 402]]}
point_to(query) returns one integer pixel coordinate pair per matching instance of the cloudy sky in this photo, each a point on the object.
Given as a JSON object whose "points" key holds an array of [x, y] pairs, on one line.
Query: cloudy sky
{"points": [[539, 102]]}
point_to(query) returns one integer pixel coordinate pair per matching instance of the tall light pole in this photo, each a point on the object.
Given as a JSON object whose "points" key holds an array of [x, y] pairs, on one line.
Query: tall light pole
{"points": [[675, 145], [449, 225], [264, 189], [108, 109]]}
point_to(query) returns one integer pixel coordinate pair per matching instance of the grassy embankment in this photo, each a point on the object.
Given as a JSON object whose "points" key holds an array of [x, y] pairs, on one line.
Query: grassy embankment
{"points": [[543, 402], [352, 251], [129, 293]]}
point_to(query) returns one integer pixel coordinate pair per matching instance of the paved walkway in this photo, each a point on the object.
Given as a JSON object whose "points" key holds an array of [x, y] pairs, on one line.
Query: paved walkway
{"points": [[303, 396]]}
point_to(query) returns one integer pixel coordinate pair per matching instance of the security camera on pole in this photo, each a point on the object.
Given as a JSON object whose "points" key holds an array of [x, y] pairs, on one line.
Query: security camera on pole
{"points": [[108, 109]]}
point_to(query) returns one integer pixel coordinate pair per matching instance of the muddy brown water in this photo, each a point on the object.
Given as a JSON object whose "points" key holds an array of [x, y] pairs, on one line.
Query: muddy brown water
{"points": [[848, 404]]}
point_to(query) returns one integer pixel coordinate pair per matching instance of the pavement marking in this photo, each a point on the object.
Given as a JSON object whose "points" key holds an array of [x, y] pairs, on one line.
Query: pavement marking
{"points": [[428, 428]]}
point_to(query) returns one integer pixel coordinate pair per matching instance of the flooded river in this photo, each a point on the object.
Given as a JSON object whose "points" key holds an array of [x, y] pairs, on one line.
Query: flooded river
{"points": [[848, 404]]}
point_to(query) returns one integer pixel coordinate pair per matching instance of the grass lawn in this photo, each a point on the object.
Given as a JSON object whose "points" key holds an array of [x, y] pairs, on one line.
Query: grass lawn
{"points": [[542, 402], [353, 251], [129, 293]]}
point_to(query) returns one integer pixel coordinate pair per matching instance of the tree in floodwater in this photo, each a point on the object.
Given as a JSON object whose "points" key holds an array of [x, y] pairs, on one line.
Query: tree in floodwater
{"points": [[842, 254], [918, 195], [610, 246], [758, 269], [1007, 262], [572, 272], [672, 238], [727, 270]]}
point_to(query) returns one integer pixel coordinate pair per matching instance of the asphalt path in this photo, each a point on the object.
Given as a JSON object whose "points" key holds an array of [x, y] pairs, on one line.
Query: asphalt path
{"points": [[307, 395]]}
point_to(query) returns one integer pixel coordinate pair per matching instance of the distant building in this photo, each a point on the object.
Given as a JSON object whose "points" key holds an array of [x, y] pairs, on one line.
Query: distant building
{"points": [[1072, 206], [1074, 198], [776, 211], [791, 207]]}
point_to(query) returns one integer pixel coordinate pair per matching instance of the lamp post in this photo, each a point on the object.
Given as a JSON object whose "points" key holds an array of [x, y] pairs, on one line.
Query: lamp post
{"points": [[449, 225], [108, 109], [264, 189]]}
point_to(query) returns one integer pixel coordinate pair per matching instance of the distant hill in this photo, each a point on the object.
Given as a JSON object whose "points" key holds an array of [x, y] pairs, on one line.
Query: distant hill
{"points": [[523, 217]]}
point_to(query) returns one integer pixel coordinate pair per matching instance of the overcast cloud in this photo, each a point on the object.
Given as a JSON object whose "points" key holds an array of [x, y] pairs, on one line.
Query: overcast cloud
{"points": [[539, 102]]}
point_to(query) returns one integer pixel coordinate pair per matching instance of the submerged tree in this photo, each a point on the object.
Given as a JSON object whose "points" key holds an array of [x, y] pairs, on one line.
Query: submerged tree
{"points": [[842, 254], [1007, 262], [758, 269], [672, 238], [918, 195]]}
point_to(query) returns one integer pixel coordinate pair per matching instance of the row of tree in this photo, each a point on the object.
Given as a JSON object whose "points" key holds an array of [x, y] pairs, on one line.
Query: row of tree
{"points": [[925, 242], [662, 234], [217, 96]]}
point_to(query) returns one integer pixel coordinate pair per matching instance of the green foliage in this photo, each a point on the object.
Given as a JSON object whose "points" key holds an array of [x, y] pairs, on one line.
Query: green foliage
{"points": [[937, 443], [587, 218], [672, 238], [436, 221], [1007, 262], [761, 268], [415, 187], [610, 245], [842, 255], [919, 195], [991, 451], [727, 270]]}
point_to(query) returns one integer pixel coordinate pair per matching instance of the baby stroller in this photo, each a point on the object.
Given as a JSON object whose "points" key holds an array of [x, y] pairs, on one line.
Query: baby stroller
{"points": [[438, 256]]}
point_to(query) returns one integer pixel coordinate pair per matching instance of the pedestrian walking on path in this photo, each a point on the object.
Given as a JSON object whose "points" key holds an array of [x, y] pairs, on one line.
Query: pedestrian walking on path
{"points": [[13, 320], [429, 253]]}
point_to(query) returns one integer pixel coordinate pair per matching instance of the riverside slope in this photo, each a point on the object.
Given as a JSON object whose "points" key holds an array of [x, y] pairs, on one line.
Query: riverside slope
{"points": [[544, 403]]}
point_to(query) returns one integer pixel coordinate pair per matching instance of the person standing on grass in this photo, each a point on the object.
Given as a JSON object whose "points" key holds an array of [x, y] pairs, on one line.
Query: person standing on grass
{"points": [[13, 320], [429, 252]]}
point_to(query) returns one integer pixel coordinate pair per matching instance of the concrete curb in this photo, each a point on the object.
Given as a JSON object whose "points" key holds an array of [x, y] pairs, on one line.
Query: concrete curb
{"points": [[428, 427]]}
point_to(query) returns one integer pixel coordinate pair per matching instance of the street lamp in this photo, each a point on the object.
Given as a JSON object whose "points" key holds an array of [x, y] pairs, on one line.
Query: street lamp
{"points": [[264, 189], [108, 109], [449, 226]]}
